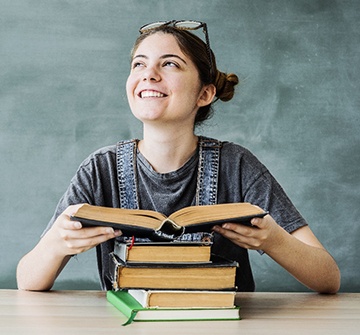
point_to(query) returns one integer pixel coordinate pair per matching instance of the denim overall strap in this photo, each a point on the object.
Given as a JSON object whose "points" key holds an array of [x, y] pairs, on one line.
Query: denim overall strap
{"points": [[207, 178], [208, 171], [126, 166]]}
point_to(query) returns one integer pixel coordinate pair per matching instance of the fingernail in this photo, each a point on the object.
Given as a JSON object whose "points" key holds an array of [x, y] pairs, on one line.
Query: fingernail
{"points": [[117, 233], [109, 231]]}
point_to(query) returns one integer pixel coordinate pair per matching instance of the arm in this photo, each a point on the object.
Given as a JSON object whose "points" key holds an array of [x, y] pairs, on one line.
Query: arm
{"points": [[38, 269], [300, 253]]}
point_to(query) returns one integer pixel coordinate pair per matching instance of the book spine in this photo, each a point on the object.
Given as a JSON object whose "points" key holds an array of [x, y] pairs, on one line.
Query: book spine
{"points": [[114, 271], [125, 304]]}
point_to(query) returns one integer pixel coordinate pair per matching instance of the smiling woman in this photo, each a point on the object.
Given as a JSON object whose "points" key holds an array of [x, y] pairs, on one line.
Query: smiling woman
{"points": [[171, 86], [167, 77], [200, 54]]}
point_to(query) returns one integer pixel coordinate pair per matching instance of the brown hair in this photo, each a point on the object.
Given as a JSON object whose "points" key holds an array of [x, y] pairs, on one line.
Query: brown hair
{"points": [[196, 49]]}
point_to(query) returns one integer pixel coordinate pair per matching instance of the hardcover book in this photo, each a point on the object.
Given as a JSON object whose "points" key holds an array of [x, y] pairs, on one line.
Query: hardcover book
{"points": [[219, 274], [133, 311], [183, 298], [163, 252], [192, 219]]}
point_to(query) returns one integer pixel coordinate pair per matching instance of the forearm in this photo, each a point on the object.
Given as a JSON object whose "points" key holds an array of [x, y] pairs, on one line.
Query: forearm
{"points": [[311, 265], [38, 269], [300, 253]]}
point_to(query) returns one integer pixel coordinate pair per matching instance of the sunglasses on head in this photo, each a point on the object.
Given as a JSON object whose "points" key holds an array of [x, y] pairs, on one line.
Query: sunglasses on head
{"points": [[183, 25]]}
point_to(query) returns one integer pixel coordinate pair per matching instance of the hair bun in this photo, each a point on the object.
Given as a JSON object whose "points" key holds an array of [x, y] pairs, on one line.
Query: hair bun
{"points": [[225, 85]]}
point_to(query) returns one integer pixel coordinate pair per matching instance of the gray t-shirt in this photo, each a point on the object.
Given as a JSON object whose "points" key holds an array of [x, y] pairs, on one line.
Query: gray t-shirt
{"points": [[242, 178]]}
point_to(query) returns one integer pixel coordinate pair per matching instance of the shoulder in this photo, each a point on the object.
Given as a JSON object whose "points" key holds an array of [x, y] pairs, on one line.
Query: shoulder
{"points": [[104, 158], [232, 153], [108, 152], [104, 155], [234, 148], [240, 166], [258, 185], [101, 153]]}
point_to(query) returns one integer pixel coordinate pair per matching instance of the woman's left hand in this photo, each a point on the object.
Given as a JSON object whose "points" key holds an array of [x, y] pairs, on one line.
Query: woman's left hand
{"points": [[300, 253], [262, 235]]}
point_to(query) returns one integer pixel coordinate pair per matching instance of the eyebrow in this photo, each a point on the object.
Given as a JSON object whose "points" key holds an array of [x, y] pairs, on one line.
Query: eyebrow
{"points": [[162, 57]]}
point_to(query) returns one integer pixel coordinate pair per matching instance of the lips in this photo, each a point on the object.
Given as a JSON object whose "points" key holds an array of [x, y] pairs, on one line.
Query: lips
{"points": [[151, 94]]}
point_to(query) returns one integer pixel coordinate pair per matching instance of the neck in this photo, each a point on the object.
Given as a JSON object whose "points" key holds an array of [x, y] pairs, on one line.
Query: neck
{"points": [[167, 151]]}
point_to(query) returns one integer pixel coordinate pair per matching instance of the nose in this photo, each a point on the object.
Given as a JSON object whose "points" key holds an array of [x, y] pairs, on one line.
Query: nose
{"points": [[151, 74]]}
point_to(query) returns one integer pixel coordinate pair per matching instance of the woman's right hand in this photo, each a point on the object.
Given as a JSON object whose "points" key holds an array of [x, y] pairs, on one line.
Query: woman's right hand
{"points": [[68, 237], [39, 268]]}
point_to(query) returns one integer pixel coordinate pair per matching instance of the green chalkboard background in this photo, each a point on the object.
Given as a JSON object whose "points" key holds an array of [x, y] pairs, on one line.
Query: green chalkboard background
{"points": [[63, 66]]}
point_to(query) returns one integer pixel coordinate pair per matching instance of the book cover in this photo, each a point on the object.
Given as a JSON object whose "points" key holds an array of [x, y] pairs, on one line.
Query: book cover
{"points": [[134, 312]]}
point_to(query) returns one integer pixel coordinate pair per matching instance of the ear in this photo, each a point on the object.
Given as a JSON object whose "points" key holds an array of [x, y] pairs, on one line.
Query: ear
{"points": [[207, 95]]}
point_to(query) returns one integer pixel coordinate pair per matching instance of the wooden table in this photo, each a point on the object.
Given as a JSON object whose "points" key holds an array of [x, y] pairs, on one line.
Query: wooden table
{"points": [[88, 312]]}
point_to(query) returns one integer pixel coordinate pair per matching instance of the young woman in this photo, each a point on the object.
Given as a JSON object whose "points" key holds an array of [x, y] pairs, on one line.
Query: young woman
{"points": [[172, 84]]}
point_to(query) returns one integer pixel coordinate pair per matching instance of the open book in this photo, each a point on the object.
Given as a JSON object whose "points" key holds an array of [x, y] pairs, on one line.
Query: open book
{"points": [[192, 219]]}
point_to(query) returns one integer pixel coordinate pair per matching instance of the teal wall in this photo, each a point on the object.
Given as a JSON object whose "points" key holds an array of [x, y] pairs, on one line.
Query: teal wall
{"points": [[63, 66]]}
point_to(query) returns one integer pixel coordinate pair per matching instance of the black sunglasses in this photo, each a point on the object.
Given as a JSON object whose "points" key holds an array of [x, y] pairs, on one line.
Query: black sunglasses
{"points": [[183, 25]]}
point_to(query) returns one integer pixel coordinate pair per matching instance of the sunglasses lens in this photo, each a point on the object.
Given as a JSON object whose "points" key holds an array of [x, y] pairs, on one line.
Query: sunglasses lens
{"points": [[150, 26], [188, 24]]}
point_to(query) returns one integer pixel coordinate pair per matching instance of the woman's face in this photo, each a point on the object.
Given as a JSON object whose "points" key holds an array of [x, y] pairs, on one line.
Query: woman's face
{"points": [[163, 85]]}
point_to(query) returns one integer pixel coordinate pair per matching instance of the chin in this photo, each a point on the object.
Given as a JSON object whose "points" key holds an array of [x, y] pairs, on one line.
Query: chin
{"points": [[147, 117]]}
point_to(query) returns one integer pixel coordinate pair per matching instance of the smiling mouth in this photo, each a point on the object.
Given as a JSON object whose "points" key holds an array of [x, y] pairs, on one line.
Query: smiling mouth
{"points": [[151, 94]]}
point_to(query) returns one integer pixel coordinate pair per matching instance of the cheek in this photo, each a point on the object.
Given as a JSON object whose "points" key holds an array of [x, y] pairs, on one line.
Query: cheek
{"points": [[132, 81], [129, 86]]}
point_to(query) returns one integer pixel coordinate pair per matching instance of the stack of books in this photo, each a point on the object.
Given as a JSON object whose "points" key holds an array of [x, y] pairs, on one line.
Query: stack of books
{"points": [[167, 277], [158, 281]]}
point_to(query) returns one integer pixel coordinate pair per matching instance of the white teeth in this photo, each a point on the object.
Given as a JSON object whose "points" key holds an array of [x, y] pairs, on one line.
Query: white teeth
{"points": [[151, 94]]}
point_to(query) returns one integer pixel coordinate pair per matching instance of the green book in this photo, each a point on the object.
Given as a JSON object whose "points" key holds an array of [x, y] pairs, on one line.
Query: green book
{"points": [[134, 312]]}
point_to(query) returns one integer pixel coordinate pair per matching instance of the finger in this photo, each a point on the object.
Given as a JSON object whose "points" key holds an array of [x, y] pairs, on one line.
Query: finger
{"points": [[256, 222], [240, 240], [79, 245], [238, 228], [91, 232], [66, 216], [262, 222], [228, 233], [239, 234], [66, 223], [71, 210]]}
